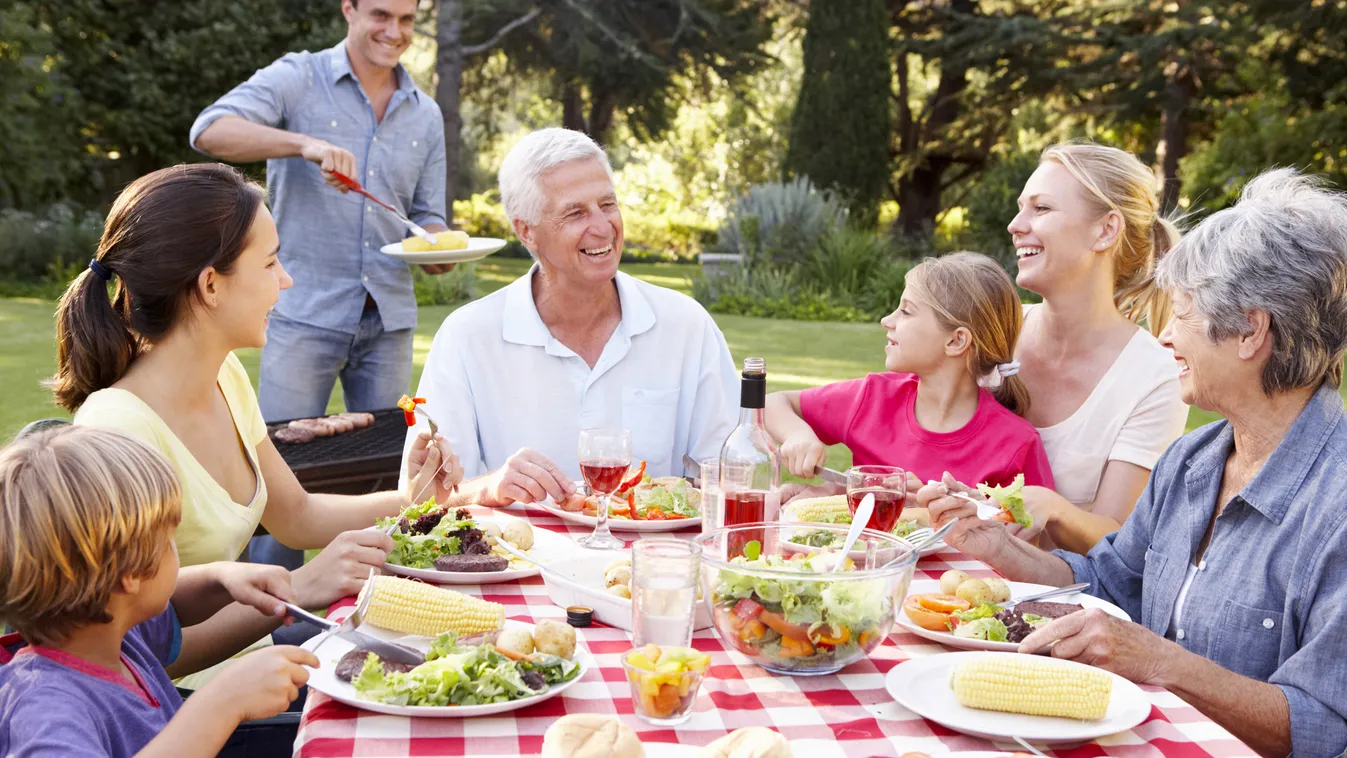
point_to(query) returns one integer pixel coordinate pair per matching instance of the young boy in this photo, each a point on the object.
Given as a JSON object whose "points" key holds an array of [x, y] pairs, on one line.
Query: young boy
{"points": [[89, 580]]}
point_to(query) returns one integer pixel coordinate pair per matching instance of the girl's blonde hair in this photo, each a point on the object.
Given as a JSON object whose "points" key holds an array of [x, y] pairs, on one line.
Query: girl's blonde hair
{"points": [[80, 509], [1117, 180], [972, 291]]}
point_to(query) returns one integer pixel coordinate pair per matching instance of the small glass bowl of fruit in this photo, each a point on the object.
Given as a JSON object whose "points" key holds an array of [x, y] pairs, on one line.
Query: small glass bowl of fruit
{"points": [[664, 682]]}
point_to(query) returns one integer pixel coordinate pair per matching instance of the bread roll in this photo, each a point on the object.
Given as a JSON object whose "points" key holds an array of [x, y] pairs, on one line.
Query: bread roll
{"points": [[591, 735], [749, 742]]}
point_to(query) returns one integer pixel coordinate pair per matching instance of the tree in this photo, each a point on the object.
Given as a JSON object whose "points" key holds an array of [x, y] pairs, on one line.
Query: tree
{"points": [[605, 57], [142, 70], [962, 71], [840, 129]]}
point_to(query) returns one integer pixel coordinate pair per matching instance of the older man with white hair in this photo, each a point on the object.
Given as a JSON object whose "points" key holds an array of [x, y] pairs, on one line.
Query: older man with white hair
{"points": [[512, 378]]}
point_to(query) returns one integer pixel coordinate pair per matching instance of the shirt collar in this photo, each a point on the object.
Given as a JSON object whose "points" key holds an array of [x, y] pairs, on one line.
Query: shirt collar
{"points": [[339, 63], [1273, 488], [523, 326]]}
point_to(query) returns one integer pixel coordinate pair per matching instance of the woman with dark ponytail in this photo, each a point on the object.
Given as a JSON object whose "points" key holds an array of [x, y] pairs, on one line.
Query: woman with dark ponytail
{"points": [[186, 273]]}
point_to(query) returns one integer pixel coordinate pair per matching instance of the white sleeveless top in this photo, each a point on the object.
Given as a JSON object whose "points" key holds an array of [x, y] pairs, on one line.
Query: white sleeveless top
{"points": [[1133, 414]]}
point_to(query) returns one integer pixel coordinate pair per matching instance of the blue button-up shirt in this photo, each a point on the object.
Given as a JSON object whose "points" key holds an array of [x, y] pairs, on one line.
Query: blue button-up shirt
{"points": [[1269, 598], [329, 241]]}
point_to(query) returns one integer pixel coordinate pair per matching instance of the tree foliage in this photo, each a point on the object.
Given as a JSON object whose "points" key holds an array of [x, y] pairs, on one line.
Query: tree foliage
{"points": [[840, 132]]}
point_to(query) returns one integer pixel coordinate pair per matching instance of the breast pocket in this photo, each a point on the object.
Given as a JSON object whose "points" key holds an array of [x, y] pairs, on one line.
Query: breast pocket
{"points": [[652, 417], [1248, 641], [1077, 475]]}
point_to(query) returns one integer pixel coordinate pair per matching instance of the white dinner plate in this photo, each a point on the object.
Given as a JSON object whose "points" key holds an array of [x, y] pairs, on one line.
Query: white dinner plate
{"points": [[1017, 590], [330, 649], [922, 685], [617, 524], [547, 546], [478, 248]]}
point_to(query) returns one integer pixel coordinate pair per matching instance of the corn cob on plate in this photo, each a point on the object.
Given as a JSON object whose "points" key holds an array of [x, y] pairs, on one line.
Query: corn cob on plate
{"points": [[330, 649], [547, 546], [1017, 591], [927, 686]]}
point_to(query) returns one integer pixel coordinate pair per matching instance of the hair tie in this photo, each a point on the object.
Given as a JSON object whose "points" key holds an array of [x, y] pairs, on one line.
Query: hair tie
{"points": [[993, 378], [100, 271]]}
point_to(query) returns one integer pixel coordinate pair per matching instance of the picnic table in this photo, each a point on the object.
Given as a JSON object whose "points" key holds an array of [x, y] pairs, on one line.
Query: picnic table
{"points": [[844, 714]]}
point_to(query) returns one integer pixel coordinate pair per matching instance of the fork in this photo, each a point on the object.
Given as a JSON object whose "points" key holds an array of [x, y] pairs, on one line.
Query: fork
{"points": [[355, 186]]}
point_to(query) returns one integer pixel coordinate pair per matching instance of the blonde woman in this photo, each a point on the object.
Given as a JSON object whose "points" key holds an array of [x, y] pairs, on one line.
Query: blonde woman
{"points": [[1105, 393], [950, 400]]}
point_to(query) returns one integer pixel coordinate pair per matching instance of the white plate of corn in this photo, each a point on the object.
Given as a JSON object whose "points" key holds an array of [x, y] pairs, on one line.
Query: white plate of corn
{"points": [[1000, 696], [452, 247], [1017, 590], [411, 614]]}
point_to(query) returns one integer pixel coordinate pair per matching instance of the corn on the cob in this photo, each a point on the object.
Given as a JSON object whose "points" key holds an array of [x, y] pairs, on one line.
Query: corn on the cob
{"points": [[1023, 684], [401, 605], [822, 510]]}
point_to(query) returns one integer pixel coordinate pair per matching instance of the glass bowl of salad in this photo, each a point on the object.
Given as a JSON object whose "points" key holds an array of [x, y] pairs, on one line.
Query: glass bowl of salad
{"points": [[787, 610]]}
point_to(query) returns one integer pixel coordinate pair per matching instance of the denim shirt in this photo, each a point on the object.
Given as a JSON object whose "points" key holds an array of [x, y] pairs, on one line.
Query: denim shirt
{"points": [[329, 241], [1269, 600]]}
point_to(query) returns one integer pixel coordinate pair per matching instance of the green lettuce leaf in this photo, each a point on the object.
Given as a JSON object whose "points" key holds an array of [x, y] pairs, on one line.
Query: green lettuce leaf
{"points": [[1011, 499]]}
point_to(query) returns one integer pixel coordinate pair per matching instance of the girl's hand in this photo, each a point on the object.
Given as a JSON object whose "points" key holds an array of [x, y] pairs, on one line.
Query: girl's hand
{"points": [[803, 454], [433, 470], [341, 569]]}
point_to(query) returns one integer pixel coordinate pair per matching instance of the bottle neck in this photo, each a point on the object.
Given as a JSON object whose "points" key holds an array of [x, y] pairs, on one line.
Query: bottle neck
{"points": [[753, 417]]}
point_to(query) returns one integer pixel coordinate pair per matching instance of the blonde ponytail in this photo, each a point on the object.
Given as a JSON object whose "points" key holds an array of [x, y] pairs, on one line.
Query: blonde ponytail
{"points": [[1116, 180]]}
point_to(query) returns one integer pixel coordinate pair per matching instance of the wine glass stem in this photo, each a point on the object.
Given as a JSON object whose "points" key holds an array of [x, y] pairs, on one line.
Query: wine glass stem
{"points": [[601, 528]]}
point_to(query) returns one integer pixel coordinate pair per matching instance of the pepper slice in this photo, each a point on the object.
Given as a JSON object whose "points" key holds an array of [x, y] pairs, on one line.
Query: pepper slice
{"points": [[408, 406]]}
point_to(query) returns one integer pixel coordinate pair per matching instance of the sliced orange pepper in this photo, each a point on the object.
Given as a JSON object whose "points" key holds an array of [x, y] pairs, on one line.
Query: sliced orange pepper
{"points": [[781, 626], [793, 648], [752, 630], [823, 636]]}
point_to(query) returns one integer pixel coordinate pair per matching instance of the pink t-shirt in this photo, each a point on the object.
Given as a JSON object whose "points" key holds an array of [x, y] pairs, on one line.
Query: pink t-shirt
{"points": [[876, 417]]}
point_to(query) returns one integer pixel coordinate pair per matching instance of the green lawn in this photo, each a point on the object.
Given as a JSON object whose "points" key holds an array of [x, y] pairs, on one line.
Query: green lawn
{"points": [[799, 354]]}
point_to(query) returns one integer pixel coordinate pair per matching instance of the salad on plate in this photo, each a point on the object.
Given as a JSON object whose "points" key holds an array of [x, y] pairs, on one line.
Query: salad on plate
{"points": [[461, 674], [430, 536]]}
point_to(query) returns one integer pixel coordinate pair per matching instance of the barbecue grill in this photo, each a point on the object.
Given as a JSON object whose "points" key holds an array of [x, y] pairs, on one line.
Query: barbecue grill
{"points": [[351, 463]]}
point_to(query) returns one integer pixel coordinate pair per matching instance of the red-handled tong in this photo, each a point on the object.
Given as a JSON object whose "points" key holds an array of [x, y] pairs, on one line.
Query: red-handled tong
{"points": [[355, 186]]}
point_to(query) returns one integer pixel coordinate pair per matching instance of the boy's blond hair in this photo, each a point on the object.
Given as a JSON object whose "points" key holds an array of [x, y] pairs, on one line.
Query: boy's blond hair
{"points": [[80, 509]]}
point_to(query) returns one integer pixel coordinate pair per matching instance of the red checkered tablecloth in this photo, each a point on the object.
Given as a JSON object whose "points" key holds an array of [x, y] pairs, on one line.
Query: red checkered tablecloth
{"points": [[845, 714]]}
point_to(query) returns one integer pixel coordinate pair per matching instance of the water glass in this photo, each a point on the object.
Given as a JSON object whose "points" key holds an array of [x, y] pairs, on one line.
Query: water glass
{"points": [[663, 591], [713, 498]]}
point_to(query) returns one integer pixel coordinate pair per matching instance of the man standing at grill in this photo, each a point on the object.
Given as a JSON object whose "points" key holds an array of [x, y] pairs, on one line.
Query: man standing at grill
{"points": [[351, 109]]}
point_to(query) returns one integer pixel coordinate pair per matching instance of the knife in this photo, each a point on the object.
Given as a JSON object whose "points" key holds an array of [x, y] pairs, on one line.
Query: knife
{"points": [[1070, 589], [694, 469], [416, 229], [347, 630]]}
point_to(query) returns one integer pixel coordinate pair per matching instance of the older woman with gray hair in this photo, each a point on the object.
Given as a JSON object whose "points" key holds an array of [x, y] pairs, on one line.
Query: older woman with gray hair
{"points": [[512, 378], [1235, 559]]}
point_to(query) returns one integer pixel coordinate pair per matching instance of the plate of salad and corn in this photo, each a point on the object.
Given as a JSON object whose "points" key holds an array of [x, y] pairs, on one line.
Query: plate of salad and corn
{"points": [[476, 662], [1000, 696]]}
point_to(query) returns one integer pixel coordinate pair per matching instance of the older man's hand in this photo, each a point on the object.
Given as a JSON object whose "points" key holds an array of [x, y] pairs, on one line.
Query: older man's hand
{"points": [[1096, 638], [529, 477]]}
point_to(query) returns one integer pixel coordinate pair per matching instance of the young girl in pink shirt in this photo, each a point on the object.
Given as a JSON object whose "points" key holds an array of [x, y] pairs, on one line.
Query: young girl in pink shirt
{"points": [[950, 400]]}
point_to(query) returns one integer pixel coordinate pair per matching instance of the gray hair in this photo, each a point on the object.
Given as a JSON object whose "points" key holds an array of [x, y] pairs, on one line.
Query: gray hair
{"points": [[520, 173], [1282, 249]]}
